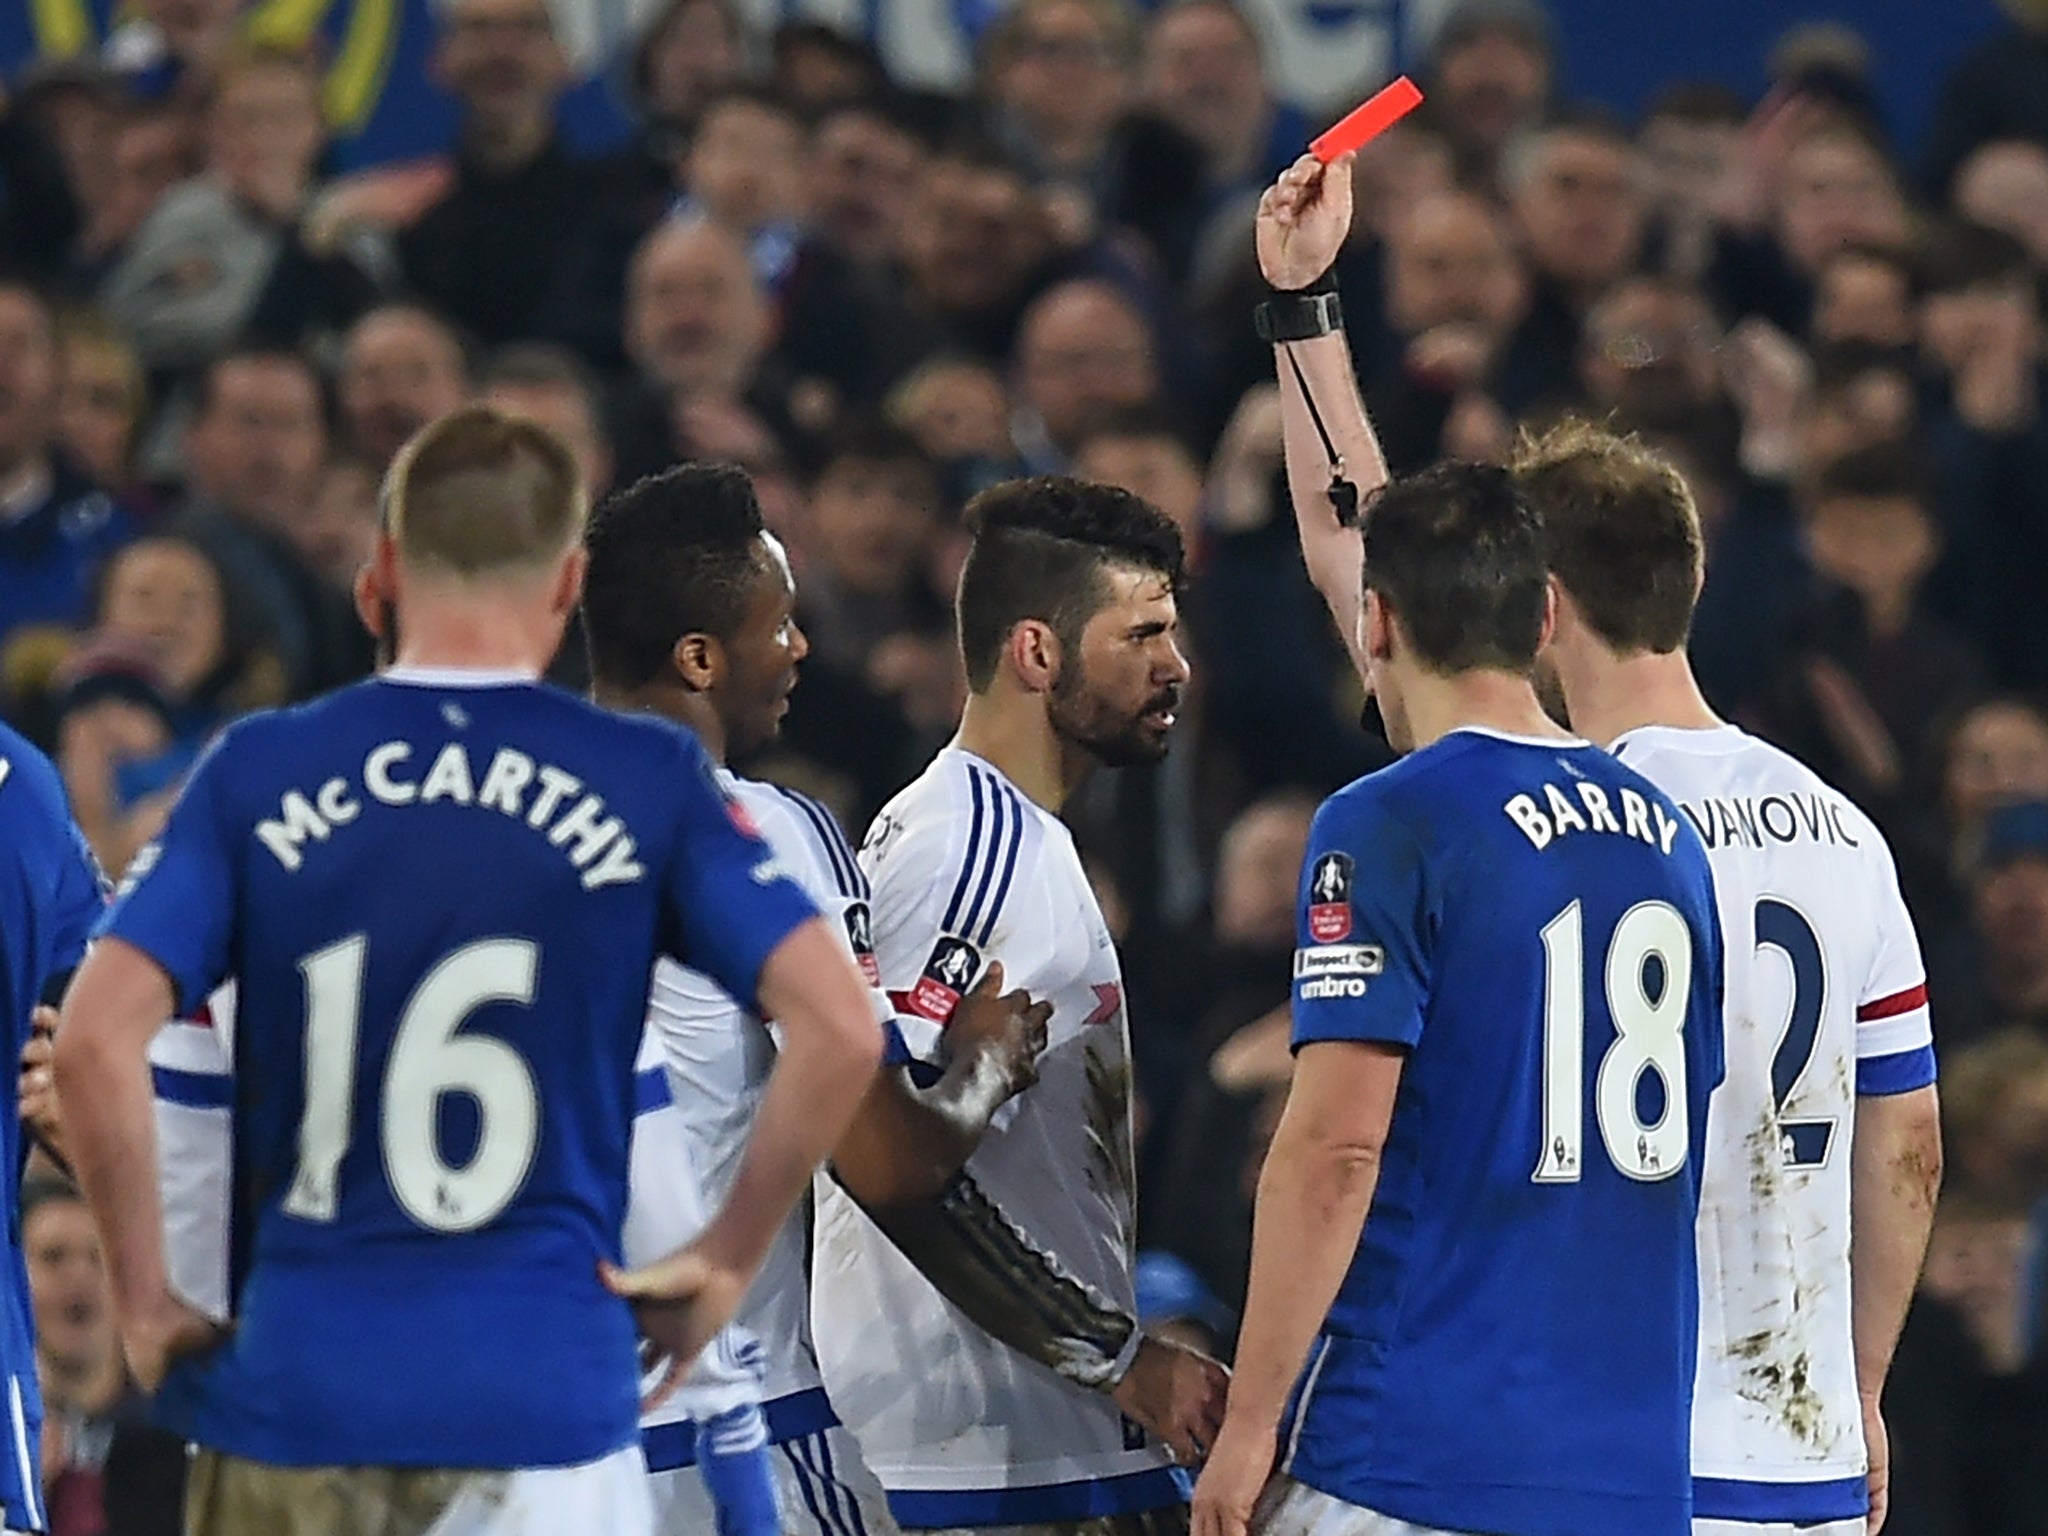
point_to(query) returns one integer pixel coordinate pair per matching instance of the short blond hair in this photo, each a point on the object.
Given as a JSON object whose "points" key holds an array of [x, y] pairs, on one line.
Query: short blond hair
{"points": [[482, 493]]}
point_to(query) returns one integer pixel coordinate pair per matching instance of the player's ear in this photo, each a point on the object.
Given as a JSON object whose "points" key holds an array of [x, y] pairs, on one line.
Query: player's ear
{"points": [[568, 589], [1376, 627], [1554, 599], [1035, 654], [698, 660]]}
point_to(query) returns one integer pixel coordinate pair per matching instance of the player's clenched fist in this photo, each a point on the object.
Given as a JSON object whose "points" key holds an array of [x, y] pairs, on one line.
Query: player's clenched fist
{"points": [[1304, 219], [1177, 1393], [1004, 1030]]}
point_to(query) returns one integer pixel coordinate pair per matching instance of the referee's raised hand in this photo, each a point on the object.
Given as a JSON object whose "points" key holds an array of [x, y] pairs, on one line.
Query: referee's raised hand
{"points": [[1304, 219]]}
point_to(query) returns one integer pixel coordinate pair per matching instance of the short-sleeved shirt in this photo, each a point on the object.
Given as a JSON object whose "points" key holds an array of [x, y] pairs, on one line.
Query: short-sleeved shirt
{"points": [[1827, 1003], [440, 896], [1532, 924], [50, 897]]}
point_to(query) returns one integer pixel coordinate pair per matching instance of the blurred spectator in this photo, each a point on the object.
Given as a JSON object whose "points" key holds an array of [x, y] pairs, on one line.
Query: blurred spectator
{"points": [[549, 385], [1204, 72], [173, 48], [865, 165], [1988, 752], [1174, 1304], [2005, 185], [116, 738], [1650, 355], [192, 274], [1871, 670], [505, 65], [1579, 191], [744, 170], [105, 1471], [959, 412], [255, 450], [1490, 77], [54, 132], [56, 528], [818, 67], [1691, 140], [1058, 76], [401, 367], [1140, 451], [1997, 975], [334, 535], [1999, 90], [148, 153], [690, 51], [1083, 349], [100, 401], [1864, 293], [1227, 998]]}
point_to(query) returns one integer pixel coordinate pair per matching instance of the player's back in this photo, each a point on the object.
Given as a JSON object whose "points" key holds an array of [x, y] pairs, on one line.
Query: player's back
{"points": [[1512, 1349], [1826, 1000], [446, 895]]}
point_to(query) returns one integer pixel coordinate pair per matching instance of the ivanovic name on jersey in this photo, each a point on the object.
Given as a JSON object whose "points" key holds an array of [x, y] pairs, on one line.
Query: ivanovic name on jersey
{"points": [[1757, 821]]}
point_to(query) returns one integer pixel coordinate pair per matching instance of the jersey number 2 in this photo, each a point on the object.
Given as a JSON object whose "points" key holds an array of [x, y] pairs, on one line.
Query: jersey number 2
{"points": [[428, 1059], [1649, 1036]]}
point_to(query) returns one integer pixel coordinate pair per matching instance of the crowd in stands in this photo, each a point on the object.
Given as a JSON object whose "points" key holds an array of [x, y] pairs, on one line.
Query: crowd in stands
{"points": [[879, 300]]}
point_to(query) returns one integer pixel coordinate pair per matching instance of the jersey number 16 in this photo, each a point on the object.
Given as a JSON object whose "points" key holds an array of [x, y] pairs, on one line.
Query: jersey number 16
{"points": [[1649, 1036]]}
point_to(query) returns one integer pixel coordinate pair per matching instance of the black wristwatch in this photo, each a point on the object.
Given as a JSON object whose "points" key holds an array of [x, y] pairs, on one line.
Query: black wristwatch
{"points": [[1301, 314]]}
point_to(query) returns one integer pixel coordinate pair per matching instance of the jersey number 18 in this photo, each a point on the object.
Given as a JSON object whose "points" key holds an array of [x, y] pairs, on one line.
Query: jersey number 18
{"points": [[1649, 1036]]}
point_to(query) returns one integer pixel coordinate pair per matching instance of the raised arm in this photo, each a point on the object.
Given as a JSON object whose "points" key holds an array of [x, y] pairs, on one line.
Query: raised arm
{"points": [[1304, 219]]}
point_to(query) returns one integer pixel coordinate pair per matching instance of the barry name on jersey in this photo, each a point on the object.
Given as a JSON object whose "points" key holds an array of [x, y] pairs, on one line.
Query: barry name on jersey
{"points": [[550, 800], [1587, 808]]}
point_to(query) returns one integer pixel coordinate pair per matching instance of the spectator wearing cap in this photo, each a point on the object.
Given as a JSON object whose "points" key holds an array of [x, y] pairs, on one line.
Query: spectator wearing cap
{"points": [[56, 527], [1491, 74]]}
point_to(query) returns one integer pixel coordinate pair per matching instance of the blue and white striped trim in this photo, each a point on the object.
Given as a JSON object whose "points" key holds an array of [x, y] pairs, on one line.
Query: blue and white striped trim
{"points": [[669, 1446], [1044, 1504], [194, 1090], [995, 836], [24, 1458], [1725, 1498], [846, 869], [830, 1502]]}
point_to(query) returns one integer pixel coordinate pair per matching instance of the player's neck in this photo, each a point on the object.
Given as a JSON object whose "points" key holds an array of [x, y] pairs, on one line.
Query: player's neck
{"points": [[683, 707], [1015, 736], [1612, 696], [1493, 701], [479, 632]]}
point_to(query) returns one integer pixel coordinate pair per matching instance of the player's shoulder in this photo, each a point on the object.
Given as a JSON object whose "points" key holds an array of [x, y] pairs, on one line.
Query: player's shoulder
{"points": [[804, 833], [962, 831], [38, 789]]}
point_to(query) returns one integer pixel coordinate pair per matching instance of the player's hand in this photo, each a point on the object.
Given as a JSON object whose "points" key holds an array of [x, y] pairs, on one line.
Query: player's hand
{"points": [[1304, 219], [1230, 1484], [37, 1092], [1177, 1393], [1006, 1030], [681, 1302], [165, 1330], [1879, 1441]]}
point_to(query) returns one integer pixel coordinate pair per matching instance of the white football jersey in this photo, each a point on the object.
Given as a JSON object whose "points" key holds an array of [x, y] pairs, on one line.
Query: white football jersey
{"points": [[1826, 1000], [961, 1429], [719, 1056]]}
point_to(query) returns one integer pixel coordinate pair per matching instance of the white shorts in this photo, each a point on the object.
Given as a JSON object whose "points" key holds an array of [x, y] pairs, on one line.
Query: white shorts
{"points": [[1288, 1508], [1856, 1527], [821, 1481]]}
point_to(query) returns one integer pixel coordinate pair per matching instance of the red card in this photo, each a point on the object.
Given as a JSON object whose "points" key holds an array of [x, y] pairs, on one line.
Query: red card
{"points": [[1364, 124]]}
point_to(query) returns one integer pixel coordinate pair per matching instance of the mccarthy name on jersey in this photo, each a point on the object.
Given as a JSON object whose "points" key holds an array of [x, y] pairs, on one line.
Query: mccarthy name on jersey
{"points": [[960, 1428], [1827, 1000]]}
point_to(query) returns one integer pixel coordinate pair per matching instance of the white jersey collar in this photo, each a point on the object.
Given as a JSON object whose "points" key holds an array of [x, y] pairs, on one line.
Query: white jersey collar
{"points": [[457, 677]]}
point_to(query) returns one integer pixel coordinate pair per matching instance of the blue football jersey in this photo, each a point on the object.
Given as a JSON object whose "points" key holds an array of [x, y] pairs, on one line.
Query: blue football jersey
{"points": [[50, 897], [1512, 1348], [440, 896]]}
